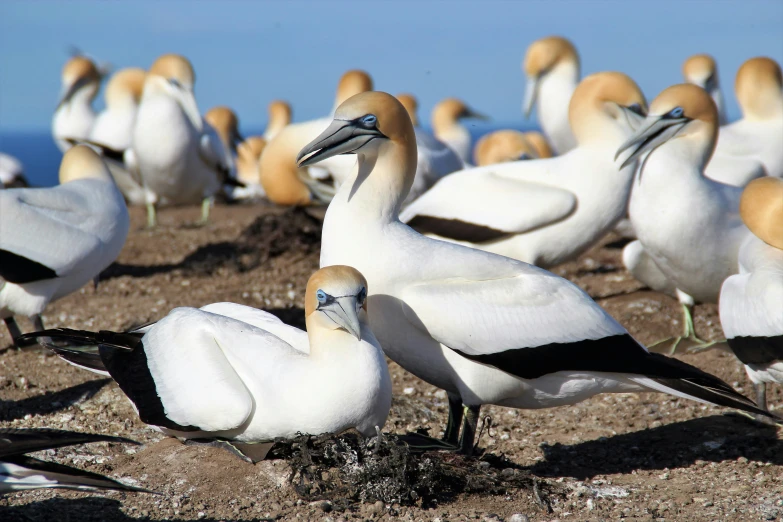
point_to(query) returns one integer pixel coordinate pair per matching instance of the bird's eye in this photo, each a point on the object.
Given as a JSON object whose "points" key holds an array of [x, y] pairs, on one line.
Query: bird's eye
{"points": [[174, 82], [636, 108], [676, 112], [321, 296], [361, 296], [369, 120]]}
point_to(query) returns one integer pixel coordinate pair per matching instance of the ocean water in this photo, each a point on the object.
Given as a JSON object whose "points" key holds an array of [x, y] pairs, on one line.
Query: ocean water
{"points": [[41, 157]]}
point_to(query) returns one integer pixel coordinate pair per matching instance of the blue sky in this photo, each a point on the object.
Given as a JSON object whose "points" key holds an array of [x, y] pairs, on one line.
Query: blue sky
{"points": [[248, 53]]}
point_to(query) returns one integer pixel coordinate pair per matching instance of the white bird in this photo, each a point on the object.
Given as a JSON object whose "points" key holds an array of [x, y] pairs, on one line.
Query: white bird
{"points": [[544, 212], [283, 181], [701, 70], [751, 302], [18, 472], [447, 126], [552, 68], [179, 159], [485, 328], [232, 372], [112, 133], [686, 223], [11, 172], [55, 240], [279, 117], [759, 134], [435, 159], [74, 115]]}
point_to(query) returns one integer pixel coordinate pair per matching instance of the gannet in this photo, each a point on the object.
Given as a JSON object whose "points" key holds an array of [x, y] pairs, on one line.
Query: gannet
{"points": [[510, 145], [751, 302], [435, 159], [11, 172], [113, 130], [279, 116], [74, 115], [18, 472], [486, 328], [759, 134], [229, 371], [285, 183], [55, 240], [179, 160], [223, 123], [701, 70], [446, 126], [248, 154], [544, 212], [552, 68], [686, 223]]}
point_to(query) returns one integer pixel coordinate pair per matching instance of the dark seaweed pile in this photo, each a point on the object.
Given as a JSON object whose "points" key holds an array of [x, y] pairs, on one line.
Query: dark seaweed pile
{"points": [[347, 469]]}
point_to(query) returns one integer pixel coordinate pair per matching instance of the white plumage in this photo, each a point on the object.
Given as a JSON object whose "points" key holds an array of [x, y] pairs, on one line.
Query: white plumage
{"points": [[485, 328], [55, 240], [232, 372], [546, 211], [751, 310]]}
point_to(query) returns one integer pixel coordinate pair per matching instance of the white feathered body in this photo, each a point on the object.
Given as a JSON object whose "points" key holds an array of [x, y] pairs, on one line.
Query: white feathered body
{"points": [[223, 370], [76, 229], [751, 302], [169, 150], [687, 223]]}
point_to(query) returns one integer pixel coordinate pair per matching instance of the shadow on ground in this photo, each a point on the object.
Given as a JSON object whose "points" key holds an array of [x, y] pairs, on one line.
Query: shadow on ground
{"points": [[269, 236], [87, 509], [712, 439], [50, 401]]}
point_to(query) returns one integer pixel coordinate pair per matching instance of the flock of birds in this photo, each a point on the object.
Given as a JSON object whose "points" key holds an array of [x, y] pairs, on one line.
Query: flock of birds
{"points": [[438, 264]]}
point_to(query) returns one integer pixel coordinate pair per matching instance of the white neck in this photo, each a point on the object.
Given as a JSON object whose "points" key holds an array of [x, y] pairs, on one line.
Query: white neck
{"points": [[554, 96]]}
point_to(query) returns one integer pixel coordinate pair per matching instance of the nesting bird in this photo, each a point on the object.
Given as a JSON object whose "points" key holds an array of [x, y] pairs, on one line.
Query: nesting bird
{"points": [[510, 145], [179, 160], [687, 224], [74, 115], [446, 125], [483, 327], [235, 373], [551, 66], [751, 302], [548, 211], [55, 240]]}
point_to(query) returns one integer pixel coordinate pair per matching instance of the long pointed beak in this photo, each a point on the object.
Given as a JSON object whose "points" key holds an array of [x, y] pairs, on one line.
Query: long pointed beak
{"points": [[187, 101], [71, 90], [531, 93], [343, 313], [340, 137], [654, 132], [470, 113]]}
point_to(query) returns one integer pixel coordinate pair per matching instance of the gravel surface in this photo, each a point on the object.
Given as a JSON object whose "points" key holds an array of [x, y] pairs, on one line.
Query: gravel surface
{"points": [[634, 456]]}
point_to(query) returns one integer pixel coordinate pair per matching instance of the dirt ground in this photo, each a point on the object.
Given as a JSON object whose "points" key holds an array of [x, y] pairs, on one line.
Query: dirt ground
{"points": [[633, 456]]}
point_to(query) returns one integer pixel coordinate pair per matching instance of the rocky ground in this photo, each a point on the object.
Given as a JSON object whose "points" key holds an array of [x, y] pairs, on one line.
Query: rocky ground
{"points": [[633, 456]]}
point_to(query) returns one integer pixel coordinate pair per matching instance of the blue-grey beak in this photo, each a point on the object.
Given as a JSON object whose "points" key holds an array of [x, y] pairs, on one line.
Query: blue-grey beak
{"points": [[340, 137]]}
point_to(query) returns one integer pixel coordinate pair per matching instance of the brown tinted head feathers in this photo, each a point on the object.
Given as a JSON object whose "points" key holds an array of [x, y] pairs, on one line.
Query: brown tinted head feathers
{"points": [[542, 55], [761, 209], [759, 89]]}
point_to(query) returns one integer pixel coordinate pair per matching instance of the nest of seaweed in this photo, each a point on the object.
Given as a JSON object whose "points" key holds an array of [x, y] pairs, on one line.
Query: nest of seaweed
{"points": [[348, 468]]}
